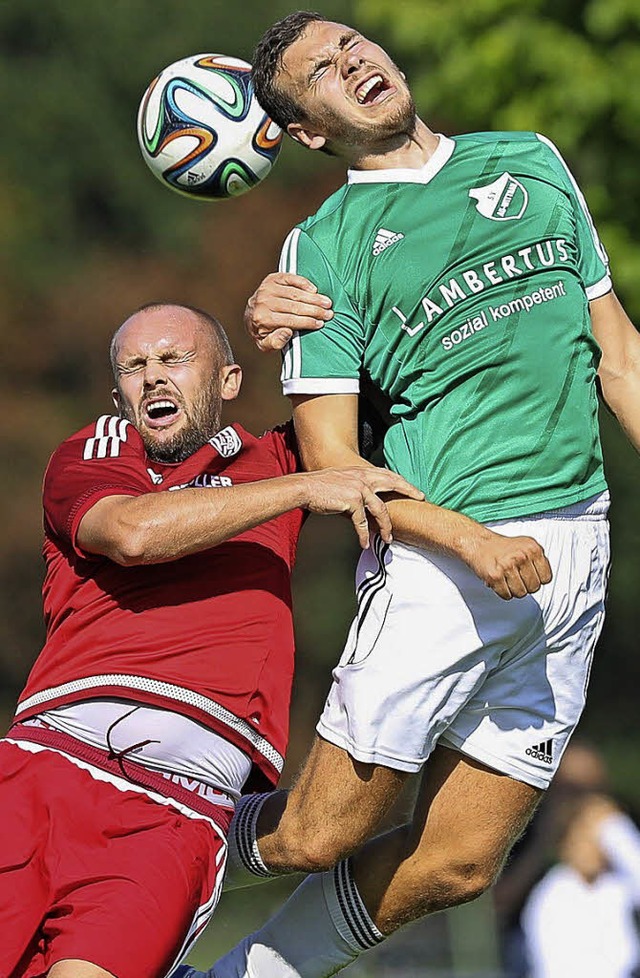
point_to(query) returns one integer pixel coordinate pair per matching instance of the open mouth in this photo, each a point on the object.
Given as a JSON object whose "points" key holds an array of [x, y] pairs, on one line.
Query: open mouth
{"points": [[161, 412], [372, 90]]}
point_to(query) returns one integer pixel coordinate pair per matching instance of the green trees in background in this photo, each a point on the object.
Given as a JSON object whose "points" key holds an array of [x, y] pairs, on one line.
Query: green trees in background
{"points": [[71, 78]]}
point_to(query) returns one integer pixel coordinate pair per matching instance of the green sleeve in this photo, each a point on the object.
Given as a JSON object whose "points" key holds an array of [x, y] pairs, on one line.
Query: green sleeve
{"points": [[328, 360], [593, 262]]}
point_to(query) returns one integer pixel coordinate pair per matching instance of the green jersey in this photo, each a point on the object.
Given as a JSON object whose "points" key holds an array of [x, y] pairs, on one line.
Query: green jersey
{"points": [[460, 291]]}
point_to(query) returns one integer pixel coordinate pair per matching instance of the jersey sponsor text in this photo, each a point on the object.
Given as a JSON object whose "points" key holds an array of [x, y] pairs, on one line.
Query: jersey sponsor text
{"points": [[524, 303], [474, 280], [205, 481]]}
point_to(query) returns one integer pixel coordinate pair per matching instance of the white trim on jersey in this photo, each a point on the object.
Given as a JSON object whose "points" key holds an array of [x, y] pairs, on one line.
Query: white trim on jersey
{"points": [[292, 354], [291, 360], [321, 385], [289, 253], [290, 376], [423, 174], [109, 434], [204, 912], [177, 693], [604, 258], [600, 288]]}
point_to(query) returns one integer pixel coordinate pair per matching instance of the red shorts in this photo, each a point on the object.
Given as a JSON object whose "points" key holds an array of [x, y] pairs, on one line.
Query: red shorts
{"points": [[92, 872]]}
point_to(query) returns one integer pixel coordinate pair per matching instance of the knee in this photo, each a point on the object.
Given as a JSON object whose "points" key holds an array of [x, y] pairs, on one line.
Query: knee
{"points": [[310, 836], [451, 878], [465, 878], [306, 849]]}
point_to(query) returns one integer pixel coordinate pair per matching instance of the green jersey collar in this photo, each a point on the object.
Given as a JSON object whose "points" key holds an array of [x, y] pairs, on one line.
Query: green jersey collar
{"points": [[423, 174]]}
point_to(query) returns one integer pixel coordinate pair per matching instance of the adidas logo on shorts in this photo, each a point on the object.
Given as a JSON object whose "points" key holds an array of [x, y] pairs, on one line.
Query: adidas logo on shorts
{"points": [[384, 239], [542, 752]]}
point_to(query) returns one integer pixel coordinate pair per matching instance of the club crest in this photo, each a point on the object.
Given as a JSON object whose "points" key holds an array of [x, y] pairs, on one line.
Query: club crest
{"points": [[503, 200], [227, 442]]}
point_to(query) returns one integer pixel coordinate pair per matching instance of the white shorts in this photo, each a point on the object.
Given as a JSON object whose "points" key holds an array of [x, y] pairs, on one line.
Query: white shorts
{"points": [[435, 656]]}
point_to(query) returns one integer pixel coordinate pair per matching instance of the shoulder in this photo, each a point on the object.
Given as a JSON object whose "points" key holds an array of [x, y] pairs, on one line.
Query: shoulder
{"points": [[106, 438], [514, 137], [321, 227], [519, 153], [328, 211], [317, 245], [281, 434], [281, 441], [532, 144], [104, 458], [273, 453], [107, 431]]}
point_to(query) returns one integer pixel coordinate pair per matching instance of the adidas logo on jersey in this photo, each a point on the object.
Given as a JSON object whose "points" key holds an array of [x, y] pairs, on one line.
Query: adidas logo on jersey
{"points": [[542, 752], [384, 239]]}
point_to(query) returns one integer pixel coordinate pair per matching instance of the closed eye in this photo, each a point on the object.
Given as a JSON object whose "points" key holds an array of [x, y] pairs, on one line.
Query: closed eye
{"points": [[319, 68], [175, 357], [130, 368], [169, 358], [347, 41]]}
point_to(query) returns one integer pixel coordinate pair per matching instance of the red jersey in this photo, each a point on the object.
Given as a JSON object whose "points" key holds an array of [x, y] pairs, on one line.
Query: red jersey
{"points": [[209, 635]]}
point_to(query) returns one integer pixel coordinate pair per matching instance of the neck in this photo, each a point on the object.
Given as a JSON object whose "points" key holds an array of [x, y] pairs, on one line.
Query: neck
{"points": [[407, 151]]}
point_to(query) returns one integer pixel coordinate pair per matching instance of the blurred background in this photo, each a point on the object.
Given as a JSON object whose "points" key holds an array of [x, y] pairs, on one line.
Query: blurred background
{"points": [[89, 235]]}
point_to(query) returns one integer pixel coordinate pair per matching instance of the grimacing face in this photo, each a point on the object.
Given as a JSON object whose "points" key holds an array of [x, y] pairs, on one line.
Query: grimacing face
{"points": [[351, 92], [171, 381]]}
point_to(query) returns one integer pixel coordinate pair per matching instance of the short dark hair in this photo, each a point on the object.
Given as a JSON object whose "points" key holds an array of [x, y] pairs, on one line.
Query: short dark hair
{"points": [[209, 321], [267, 62]]}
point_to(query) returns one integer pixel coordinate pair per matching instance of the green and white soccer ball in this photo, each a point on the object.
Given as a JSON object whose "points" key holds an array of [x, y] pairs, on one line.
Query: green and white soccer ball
{"points": [[201, 130]]}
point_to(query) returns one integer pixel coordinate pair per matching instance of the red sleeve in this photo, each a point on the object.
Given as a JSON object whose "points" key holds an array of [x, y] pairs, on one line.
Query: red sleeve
{"points": [[104, 459], [286, 448]]}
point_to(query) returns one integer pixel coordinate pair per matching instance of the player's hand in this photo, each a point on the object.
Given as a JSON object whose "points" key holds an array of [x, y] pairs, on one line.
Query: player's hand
{"points": [[355, 491], [511, 566], [282, 303]]}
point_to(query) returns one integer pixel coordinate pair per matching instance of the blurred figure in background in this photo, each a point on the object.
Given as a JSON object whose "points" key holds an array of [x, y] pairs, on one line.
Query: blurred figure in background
{"points": [[580, 919], [581, 773]]}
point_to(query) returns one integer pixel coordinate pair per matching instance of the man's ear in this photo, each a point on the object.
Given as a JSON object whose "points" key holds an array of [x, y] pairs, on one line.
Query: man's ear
{"points": [[231, 382], [306, 137], [115, 397]]}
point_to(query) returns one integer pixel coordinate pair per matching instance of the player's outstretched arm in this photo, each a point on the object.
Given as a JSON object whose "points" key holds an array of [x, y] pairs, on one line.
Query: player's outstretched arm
{"points": [[326, 429], [511, 566], [282, 303], [619, 371], [159, 527]]}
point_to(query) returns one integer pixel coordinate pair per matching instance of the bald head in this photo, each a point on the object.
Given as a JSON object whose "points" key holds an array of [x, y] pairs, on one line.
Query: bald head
{"points": [[173, 368], [210, 329]]}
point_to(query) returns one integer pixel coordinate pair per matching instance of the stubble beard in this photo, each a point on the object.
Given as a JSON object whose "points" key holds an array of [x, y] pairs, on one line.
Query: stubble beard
{"points": [[401, 122], [200, 425]]}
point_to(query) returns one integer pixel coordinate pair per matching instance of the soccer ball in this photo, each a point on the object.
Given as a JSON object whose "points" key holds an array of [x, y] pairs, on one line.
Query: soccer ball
{"points": [[201, 130]]}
